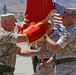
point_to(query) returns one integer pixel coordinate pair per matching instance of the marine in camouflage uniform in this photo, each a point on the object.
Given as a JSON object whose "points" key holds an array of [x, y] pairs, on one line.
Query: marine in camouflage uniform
{"points": [[48, 53], [7, 49], [67, 41], [68, 51], [65, 47]]}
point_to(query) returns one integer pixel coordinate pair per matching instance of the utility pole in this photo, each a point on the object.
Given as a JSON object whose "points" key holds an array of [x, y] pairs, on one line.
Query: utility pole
{"points": [[4, 9]]}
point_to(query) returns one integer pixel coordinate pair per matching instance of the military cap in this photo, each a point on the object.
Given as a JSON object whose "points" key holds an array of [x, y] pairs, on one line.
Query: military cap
{"points": [[8, 17], [69, 11]]}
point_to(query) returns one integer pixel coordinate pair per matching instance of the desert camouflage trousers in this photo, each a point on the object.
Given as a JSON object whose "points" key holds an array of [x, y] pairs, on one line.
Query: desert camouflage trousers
{"points": [[68, 68]]}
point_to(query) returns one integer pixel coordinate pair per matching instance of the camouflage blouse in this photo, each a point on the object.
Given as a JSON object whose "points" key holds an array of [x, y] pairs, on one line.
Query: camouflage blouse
{"points": [[7, 48], [68, 42]]}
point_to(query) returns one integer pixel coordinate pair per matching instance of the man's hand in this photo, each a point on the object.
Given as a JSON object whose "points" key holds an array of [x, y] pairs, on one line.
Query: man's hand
{"points": [[48, 62], [43, 65], [41, 53]]}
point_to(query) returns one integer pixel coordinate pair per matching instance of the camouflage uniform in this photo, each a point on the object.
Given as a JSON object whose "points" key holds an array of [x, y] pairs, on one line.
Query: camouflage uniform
{"points": [[68, 42], [7, 49], [48, 53]]}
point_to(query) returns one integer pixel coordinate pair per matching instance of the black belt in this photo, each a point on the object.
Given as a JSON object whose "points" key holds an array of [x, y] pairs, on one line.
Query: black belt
{"points": [[63, 60], [40, 60], [9, 69]]}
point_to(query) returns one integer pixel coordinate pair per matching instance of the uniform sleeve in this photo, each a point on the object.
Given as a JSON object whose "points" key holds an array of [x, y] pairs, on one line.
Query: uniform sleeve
{"points": [[14, 38], [61, 42], [66, 38], [8, 37]]}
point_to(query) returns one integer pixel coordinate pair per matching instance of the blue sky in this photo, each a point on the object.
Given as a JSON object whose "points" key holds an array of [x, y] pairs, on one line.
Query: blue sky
{"points": [[67, 3]]}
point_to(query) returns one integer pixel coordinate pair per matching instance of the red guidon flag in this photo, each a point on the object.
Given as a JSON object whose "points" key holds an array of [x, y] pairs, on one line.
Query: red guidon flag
{"points": [[36, 16]]}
